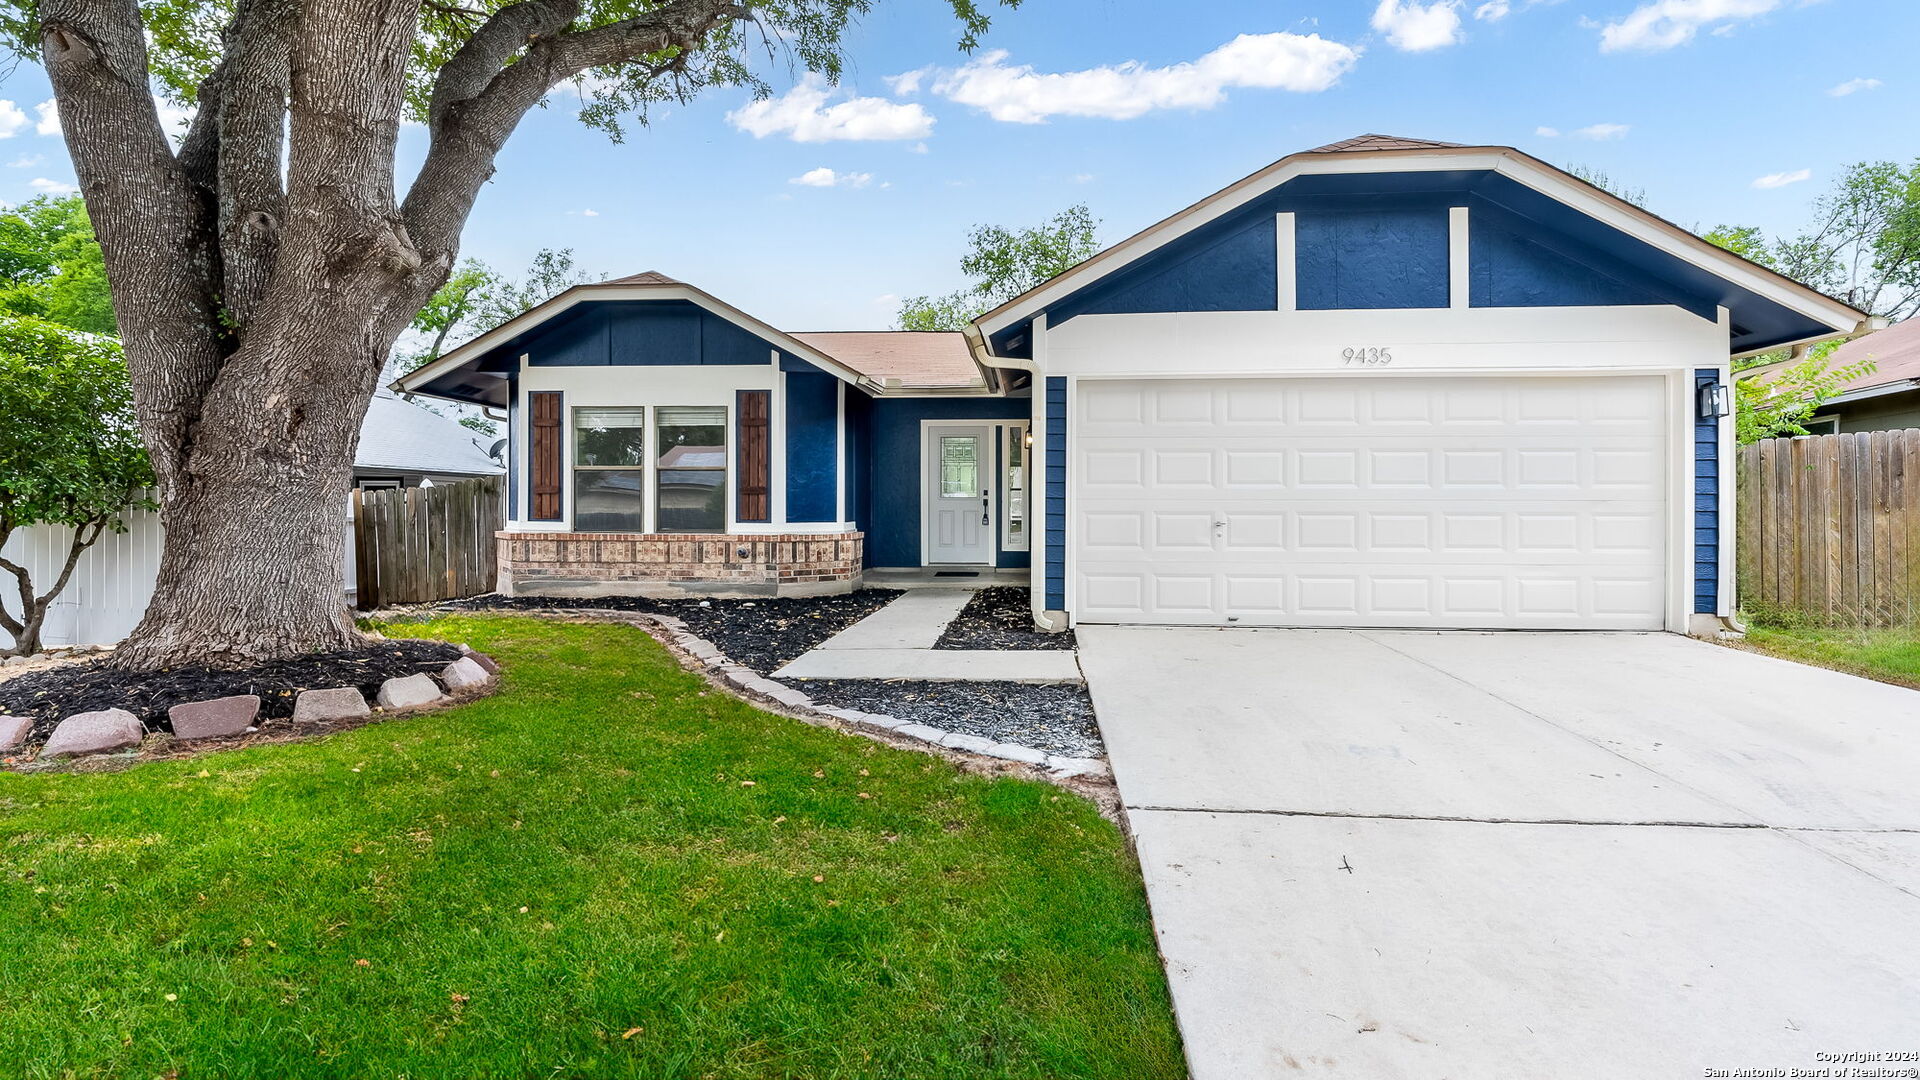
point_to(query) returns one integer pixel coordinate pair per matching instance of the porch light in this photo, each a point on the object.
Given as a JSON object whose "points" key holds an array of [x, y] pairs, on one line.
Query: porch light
{"points": [[1714, 401], [1027, 438]]}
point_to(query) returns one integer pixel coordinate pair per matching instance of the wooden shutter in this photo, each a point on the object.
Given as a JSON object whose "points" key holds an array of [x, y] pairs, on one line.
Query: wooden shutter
{"points": [[754, 455], [543, 453]]}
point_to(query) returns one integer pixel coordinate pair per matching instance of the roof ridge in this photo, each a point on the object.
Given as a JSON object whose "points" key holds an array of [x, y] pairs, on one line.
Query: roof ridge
{"points": [[1376, 141]]}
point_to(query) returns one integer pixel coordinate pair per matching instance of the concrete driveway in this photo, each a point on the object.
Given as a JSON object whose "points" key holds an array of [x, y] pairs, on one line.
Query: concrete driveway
{"points": [[1398, 854]]}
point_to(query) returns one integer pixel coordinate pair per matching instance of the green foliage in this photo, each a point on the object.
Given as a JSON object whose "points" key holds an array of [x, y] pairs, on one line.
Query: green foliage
{"points": [[477, 297], [70, 453], [1634, 195], [51, 266], [1770, 407], [185, 46], [1004, 263], [572, 878], [1863, 246]]}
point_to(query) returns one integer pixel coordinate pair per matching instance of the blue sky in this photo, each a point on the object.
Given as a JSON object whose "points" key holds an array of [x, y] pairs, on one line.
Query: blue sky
{"points": [[1139, 108]]}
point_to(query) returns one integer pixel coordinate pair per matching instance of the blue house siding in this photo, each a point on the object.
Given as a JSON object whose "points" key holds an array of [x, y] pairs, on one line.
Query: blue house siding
{"points": [[1229, 270], [1706, 502], [638, 333], [892, 500], [813, 447], [1056, 471], [1362, 259]]}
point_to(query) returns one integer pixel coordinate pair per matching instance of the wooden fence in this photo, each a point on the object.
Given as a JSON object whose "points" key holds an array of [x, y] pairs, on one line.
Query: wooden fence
{"points": [[1829, 528], [414, 545]]}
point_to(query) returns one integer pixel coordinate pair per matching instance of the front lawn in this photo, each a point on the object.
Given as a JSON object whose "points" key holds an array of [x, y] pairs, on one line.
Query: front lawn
{"points": [[1887, 655], [606, 870]]}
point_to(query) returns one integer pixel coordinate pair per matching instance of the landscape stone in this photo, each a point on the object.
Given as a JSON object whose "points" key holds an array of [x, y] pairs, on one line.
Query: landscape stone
{"points": [[95, 732], [15, 661], [973, 744], [463, 673], [491, 665], [882, 720], [215, 718], [409, 691], [339, 703], [921, 732], [1072, 766], [788, 696], [1012, 752], [13, 730]]}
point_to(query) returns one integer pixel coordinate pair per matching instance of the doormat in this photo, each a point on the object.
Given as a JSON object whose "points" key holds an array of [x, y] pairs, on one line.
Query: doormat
{"points": [[956, 573]]}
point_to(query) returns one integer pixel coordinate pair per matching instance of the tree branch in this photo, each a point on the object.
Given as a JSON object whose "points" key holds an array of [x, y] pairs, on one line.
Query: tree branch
{"points": [[252, 107], [511, 29]]}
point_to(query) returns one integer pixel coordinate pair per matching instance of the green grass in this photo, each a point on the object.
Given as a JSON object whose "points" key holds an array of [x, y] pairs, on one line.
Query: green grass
{"points": [[573, 878], [1887, 655]]}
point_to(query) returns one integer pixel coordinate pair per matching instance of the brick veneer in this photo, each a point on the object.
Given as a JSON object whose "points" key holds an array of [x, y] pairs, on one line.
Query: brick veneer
{"points": [[653, 564]]}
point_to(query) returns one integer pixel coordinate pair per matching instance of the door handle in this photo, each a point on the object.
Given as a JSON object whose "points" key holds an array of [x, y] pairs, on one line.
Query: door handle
{"points": [[985, 508]]}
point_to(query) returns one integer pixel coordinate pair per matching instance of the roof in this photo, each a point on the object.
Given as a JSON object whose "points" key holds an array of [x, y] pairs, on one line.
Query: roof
{"points": [[1382, 142], [1895, 353], [397, 434], [1769, 309], [915, 358], [644, 277]]}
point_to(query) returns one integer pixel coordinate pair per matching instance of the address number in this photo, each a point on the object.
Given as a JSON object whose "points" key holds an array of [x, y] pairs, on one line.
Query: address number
{"points": [[1367, 355]]}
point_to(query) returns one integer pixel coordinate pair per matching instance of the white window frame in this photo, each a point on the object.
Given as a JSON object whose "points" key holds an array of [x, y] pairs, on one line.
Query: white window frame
{"points": [[572, 442], [1014, 433], [726, 470]]}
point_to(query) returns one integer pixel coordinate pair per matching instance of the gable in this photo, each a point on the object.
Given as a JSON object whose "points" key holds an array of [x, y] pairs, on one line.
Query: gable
{"points": [[638, 332]]}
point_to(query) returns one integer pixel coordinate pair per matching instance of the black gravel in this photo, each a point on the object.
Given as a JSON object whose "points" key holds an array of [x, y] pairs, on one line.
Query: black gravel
{"points": [[51, 695], [762, 634], [1052, 717], [1000, 617]]}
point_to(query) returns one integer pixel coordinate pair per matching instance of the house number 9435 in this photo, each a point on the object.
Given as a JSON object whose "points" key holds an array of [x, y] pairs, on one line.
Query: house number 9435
{"points": [[1370, 355]]}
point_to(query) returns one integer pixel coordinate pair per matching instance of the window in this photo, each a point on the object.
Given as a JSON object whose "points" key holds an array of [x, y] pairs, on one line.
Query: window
{"points": [[691, 470], [609, 470], [960, 467], [1825, 425], [1014, 491]]}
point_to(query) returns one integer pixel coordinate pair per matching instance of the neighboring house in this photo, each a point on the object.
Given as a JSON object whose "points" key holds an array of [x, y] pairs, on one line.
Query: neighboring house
{"points": [[400, 445], [1884, 399], [1387, 382]]}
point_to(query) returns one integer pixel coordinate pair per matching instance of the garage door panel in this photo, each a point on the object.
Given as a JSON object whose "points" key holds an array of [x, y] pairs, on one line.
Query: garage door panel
{"points": [[1456, 502]]}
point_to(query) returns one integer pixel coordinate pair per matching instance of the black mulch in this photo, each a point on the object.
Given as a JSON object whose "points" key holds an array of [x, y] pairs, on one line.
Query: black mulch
{"points": [[48, 696], [1000, 617], [762, 634], [1051, 717]]}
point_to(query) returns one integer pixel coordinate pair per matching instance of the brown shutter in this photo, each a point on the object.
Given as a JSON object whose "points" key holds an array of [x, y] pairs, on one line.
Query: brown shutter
{"points": [[754, 455], [544, 455]]}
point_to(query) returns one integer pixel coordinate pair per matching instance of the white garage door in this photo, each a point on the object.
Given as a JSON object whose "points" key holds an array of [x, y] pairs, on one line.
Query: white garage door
{"points": [[1386, 501]]}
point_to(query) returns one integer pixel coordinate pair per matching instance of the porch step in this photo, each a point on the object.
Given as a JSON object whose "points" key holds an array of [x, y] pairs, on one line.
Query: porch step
{"points": [[936, 665], [914, 620]]}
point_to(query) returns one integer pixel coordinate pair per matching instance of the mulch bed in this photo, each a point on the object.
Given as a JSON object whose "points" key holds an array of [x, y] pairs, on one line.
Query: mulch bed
{"points": [[51, 695], [763, 634], [1056, 718], [1000, 617]]}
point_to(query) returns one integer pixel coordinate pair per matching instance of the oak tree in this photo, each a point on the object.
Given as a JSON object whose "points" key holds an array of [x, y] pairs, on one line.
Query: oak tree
{"points": [[263, 268]]}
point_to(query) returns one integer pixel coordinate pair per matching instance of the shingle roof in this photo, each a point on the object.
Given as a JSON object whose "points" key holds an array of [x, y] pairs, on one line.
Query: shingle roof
{"points": [[1382, 142], [400, 435], [915, 357], [1895, 353], [644, 277]]}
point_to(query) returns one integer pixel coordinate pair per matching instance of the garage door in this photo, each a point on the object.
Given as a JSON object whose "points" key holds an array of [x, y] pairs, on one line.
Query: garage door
{"points": [[1387, 501]]}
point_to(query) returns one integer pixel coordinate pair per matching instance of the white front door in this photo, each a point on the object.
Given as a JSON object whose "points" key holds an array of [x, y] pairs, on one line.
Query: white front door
{"points": [[1487, 501], [957, 494]]}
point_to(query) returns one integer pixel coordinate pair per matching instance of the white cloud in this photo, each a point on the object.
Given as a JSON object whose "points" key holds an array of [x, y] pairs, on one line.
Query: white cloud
{"points": [[49, 118], [1547, 132], [1602, 132], [1016, 93], [1781, 179], [907, 82], [825, 177], [26, 161], [583, 213], [1083, 178], [1664, 24], [51, 187], [12, 119], [1418, 27], [803, 115], [1853, 86], [1493, 10], [917, 148]]}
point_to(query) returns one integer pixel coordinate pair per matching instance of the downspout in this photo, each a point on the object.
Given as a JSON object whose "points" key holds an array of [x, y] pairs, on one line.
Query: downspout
{"points": [[983, 355]]}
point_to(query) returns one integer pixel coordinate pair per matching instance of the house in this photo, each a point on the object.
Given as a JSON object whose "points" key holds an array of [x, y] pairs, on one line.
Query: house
{"points": [[1387, 382], [1887, 398], [401, 445]]}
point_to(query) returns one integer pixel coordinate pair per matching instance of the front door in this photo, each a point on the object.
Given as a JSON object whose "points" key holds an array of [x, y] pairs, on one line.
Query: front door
{"points": [[957, 494]]}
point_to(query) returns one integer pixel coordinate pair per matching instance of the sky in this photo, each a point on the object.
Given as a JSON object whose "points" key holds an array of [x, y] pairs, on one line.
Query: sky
{"points": [[818, 208]]}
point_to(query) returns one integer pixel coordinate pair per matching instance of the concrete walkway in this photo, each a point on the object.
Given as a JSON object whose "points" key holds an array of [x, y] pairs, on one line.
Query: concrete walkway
{"points": [[1378, 854], [897, 642]]}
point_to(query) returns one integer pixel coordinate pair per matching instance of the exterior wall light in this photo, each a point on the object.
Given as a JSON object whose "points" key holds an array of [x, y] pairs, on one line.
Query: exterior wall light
{"points": [[1715, 402]]}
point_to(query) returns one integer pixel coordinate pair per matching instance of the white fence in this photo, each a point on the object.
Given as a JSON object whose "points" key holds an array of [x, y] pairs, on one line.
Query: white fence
{"points": [[110, 586]]}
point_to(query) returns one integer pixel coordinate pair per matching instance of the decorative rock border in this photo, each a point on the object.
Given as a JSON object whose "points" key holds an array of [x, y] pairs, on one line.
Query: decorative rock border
{"points": [[86, 734], [754, 683]]}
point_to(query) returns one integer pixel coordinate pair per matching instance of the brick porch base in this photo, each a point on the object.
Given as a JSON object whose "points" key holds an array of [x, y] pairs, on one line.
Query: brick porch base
{"points": [[678, 564]]}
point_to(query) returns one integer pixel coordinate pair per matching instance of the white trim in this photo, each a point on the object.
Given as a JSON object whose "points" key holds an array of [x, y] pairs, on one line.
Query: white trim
{"points": [[1286, 266], [927, 428], [1014, 432], [1459, 279], [840, 451], [1727, 553], [1506, 161]]}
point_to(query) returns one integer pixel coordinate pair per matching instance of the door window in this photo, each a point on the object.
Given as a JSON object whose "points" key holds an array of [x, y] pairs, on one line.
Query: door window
{"points": [[959, 467]]}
